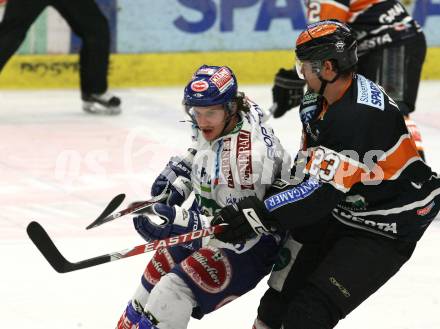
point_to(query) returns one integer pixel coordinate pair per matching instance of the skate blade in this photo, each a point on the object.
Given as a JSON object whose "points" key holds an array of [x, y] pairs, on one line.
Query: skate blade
{"points": [[98, 109]]}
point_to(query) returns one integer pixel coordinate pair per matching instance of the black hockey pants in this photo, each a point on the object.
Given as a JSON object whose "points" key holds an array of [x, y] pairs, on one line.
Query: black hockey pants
{"points": [[85, 19], [336, 269]]}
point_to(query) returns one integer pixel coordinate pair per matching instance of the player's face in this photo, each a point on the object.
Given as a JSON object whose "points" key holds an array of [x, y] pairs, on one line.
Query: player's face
{"points": [[308, 71], [211, 120]]}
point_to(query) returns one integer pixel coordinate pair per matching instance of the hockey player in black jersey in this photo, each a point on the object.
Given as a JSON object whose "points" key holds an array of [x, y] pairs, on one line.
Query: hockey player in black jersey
{"points": [[359, 198], [391, 50]]}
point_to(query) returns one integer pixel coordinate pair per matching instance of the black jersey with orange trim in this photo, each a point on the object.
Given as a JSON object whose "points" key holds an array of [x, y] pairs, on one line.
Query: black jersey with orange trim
{"points": [[376, 23], [358, 158]]}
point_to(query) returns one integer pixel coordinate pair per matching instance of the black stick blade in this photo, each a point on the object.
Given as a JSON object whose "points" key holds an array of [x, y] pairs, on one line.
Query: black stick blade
{"points": [[112, 206], [46, 246], [42, 241]]}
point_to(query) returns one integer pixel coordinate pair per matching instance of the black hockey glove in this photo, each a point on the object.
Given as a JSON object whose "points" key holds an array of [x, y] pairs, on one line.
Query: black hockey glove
{"points": [[287, 91], [244, 219]]}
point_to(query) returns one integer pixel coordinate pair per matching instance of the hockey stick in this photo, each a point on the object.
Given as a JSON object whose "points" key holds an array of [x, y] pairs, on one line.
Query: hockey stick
{"points": [[131, 209], [112, 206], [46, 246], [137, 206]]}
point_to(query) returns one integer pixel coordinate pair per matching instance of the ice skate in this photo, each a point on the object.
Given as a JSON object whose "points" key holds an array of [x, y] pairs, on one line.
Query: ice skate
{"points": [[106, 103]]}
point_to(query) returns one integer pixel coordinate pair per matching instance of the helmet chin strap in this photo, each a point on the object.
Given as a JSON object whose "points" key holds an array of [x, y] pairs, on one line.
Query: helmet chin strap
{"points": [[325, 82]]}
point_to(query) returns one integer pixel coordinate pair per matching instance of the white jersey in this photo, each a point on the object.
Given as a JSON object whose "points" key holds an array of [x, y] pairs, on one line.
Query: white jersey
{"points": [[242, 163]]}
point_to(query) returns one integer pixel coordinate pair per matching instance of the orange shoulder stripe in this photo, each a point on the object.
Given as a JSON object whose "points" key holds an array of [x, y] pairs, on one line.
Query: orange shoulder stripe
{"points": [[362, 4], [392, 163], [343, 172], [330, 11]]}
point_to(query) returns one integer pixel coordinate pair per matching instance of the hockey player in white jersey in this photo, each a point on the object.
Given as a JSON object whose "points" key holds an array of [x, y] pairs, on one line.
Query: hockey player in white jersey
{"points": [[237, 155]]}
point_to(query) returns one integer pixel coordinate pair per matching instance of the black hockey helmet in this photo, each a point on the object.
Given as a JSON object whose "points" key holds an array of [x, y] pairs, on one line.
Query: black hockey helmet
{"points": [[325, 40]]}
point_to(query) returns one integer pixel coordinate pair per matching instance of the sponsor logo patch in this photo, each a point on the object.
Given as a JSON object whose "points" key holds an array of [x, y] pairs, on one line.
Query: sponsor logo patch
{"points": [[426, 210], [199, 86], [292, 195], [342, 214], [244, 160], [222, 79], [369, 93], [160, 264], [206, 71], [209, 269], [226, 162], [344, 291]]}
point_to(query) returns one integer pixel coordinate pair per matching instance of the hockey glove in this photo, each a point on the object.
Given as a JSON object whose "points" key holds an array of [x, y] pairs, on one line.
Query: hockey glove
{"points": [[169, 221], [176, 178], [287, 91], [311, 106], [244, 220]]}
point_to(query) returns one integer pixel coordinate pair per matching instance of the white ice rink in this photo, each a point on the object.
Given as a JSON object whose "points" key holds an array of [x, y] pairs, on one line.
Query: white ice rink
{"points": [[60, 167]]}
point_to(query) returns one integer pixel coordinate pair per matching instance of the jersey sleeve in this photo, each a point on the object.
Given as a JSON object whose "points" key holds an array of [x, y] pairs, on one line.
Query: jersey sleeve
{"points": [[268, 154], [297, 205]]}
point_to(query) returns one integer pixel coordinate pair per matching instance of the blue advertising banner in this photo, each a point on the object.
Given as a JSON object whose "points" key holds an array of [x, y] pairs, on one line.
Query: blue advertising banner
{"points": [[158, 26], [210, 25], [206, 25]]}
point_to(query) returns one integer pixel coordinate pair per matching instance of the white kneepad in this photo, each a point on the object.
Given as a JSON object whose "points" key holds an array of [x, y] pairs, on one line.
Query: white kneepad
{"points": [[171, 302]]}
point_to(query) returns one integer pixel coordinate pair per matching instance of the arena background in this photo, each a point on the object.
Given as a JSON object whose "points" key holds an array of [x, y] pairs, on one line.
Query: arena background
{"points": [[156, 43]]}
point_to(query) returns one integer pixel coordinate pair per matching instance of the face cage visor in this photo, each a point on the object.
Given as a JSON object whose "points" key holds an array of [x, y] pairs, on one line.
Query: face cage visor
{"points": [[300, 65], [190, 111]]}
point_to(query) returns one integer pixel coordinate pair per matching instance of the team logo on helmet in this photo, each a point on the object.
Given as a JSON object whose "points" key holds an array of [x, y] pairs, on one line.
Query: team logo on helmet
{"points": [[199, 85], [340, 46], [206, 90]]}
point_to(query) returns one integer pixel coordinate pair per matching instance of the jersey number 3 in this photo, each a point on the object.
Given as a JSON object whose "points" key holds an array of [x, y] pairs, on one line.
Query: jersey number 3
{"points": [[324, 165]]}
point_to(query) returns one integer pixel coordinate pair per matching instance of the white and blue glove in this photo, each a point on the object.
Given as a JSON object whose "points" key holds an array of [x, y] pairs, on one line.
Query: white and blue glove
{"points": [[175, 179], [170, 221]]}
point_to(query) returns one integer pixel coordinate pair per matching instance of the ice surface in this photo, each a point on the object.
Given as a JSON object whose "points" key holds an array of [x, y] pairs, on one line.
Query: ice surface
{"points": [[60, 167]]}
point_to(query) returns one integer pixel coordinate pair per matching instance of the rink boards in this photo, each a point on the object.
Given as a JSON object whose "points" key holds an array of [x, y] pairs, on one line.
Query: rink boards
{"points": [[159, 69]]}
